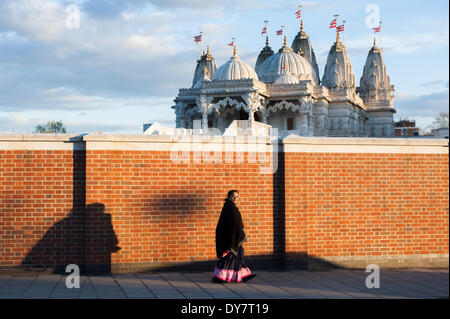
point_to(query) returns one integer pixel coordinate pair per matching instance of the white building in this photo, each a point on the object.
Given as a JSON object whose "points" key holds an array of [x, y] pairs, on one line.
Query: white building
{"points": [[284, 90], [440, 132]]}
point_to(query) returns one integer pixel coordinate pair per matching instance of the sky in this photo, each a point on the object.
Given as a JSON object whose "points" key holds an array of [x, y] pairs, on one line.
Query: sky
{"points": [[120, 64]]}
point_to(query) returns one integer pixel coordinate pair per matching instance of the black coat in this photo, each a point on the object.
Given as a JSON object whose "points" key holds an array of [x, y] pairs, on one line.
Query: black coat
{"points": [[230, 233]]}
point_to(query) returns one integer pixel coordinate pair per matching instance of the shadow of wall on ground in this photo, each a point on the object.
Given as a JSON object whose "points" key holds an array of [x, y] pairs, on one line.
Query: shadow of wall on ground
{"points": [[293, 261]]}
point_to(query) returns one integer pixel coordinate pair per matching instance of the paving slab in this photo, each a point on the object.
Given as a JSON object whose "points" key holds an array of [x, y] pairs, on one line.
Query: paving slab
{"points": [[133, 287], [218, 291], [15, 287], [87, 289], [270, 288], [107, 288], [160, 287], [297, 284], [42, 287], [61, 290], [4, 280], [246, 291], [186, 287]]}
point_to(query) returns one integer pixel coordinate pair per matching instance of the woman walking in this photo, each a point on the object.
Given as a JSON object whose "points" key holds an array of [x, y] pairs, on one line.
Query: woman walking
{"points": [[230, 236]]}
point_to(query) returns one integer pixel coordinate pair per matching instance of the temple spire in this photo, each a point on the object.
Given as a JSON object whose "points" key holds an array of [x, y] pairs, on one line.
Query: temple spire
{"points": [[267, 34], [203, 52], [300, 16], [380, 37], [265, 53], [336, 27], [343, 31]]}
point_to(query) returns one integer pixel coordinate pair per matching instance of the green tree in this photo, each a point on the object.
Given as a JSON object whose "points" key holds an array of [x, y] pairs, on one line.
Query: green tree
{"points": [[51, 127]]}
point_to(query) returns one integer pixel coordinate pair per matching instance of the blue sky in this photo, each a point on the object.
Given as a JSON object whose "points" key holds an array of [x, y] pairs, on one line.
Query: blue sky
{"points": [[125, 63]]}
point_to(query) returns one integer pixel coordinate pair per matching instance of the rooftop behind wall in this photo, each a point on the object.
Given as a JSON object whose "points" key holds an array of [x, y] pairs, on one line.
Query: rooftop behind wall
{"points": [[123, 203]]}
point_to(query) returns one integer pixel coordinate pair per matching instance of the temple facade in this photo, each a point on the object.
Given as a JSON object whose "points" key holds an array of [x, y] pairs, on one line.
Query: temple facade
{"points": [[284, 90]]}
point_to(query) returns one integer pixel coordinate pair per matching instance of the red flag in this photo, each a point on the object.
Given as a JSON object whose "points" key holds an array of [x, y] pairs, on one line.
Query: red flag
{"points": [[198, 38], [333, 24], [298, 14], [231, 43], [264, 31], [378, 29], [340, 28], [280, 32]]}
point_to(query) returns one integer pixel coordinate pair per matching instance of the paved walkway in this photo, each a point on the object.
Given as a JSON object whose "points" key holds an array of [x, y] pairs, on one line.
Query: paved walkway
{"points": [[342, 283]]}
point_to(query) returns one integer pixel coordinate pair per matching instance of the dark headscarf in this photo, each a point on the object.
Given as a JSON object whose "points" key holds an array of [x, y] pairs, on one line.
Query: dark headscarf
{"points": [[230, 233]]}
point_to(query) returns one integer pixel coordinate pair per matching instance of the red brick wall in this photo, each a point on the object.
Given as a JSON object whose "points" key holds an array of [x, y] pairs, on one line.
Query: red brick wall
{"points": [[158, 211], [167, 212], [40, 223], [367, 204]]}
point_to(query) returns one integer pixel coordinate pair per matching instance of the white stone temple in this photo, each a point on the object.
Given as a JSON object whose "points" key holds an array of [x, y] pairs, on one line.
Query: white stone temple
{"points": [[284, 91]]}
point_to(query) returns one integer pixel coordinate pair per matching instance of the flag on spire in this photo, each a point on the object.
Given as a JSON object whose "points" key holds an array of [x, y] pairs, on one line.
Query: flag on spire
{"points": [[377, 29], [264, 31], [198, 38], [280, 32], [340, 28], [298, 14], [333, 24], [231, 43]]}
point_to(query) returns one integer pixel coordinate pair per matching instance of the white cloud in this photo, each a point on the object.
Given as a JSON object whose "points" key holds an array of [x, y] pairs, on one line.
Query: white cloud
{"points": [[37, 19], [19, 124], [402, 44], [138, 53], [317, 6], [440, 84], [422, 108], [410, 43]]}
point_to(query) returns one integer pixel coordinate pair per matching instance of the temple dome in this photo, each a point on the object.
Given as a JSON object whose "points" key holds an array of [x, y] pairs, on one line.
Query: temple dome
{"points": [[234, 69], [287, 78], [286, 61]]}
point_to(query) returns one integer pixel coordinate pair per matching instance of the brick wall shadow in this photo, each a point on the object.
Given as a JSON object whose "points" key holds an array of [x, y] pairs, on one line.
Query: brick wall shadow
{"points": [[85, 237], [100, 240], [59, 246], [279, 222]]}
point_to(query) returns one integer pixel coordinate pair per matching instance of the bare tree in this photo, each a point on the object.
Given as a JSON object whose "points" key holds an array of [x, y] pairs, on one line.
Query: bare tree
{"points": [[440, 121]]}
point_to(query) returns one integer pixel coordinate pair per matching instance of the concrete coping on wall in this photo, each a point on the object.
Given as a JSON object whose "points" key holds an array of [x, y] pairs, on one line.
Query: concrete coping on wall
{"points": [[295, 143], [41, 137], [291, 143], [42, 141], [138, 138]]}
